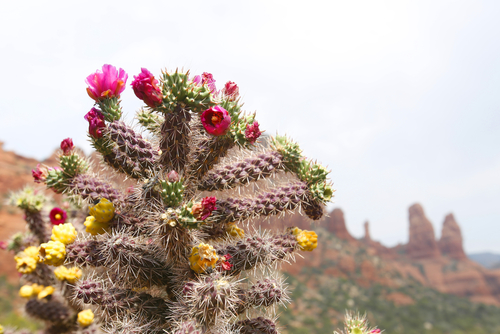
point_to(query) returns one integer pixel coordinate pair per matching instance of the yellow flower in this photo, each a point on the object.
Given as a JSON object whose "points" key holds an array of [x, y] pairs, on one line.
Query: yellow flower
{"points": [[235, 231], [26, 291], [32, 252], [47, 291], [65, 233], [94, 227], [202, 257], [25, 264], [37, 288], [308, 240], [70, 275], [1, 329], [52, 253], [85, 318], [103, 211]]}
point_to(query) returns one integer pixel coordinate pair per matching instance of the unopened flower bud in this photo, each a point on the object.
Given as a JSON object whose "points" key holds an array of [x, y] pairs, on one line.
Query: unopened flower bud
{"points": [[231, 90], [173, 176], [67, 146]]}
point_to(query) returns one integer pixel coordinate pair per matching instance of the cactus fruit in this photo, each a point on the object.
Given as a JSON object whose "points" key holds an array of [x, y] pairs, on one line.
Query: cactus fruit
{"points": [[65, 233], [52, 253], [176, 248], [85, 318]]}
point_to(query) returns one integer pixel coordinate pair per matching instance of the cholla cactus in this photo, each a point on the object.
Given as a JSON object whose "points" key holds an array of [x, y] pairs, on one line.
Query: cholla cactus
{"points": [[355, 323], [179, 253]]}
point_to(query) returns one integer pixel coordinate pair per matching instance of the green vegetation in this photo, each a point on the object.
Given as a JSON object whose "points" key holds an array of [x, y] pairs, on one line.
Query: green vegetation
{"points": [[320, 310]]}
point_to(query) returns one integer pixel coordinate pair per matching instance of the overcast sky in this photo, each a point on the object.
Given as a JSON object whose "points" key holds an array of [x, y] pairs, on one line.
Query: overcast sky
{"points": [[399, 98]]}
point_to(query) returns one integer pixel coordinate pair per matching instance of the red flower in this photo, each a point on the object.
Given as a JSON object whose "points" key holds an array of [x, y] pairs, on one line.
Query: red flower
{"points": [[67, 146], [57, 216], [252, 132], [106, 84], [225, 265], [203, 210], [96, 122], [145, 87], [216, 120], [231, 90], [39, 174]]}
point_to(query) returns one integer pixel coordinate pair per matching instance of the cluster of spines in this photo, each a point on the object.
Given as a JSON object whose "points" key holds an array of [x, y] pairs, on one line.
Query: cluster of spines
{"points": [[150, 121], [175, 140], [276, 201], [116, 302], [241, 173], [129, 152], [258, 251], [179, 91]]}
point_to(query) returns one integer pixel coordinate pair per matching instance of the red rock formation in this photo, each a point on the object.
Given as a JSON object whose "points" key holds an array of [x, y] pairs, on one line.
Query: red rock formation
{"points": [[422, 243], [336, 224], [451, 239], [367, 237]]}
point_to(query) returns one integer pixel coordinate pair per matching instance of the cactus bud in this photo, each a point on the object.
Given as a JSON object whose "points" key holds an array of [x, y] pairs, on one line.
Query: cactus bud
{"points": [[67, 146], [231, 90], [145, 88]]}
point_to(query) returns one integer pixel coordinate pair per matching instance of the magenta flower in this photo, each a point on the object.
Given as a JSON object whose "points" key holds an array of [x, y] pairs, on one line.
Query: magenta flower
{"points": [[216, 120], [252, 132], [96, 122], [39, 174], [106, 84], [145, 87], [57, 216], [231, 90], [203, 210], [376, 331], [67, 146], [206, 78], [224, 262], [3, 245]]}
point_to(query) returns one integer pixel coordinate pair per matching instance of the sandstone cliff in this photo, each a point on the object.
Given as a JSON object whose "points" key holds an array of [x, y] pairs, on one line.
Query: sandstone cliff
{"points": [[451, 239], [422, 243]]}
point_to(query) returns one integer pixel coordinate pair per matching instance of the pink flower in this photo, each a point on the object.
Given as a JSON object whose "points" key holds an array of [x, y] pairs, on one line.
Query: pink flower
{"points": [[96, 122], [57, 216], [252, 132], [376, 331], [216, 120], [225, 265], [203, 210], [39, 174], [206, 78], [3, 245], [145, 87], [67, 146], [231, 90], [106, 84]]}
